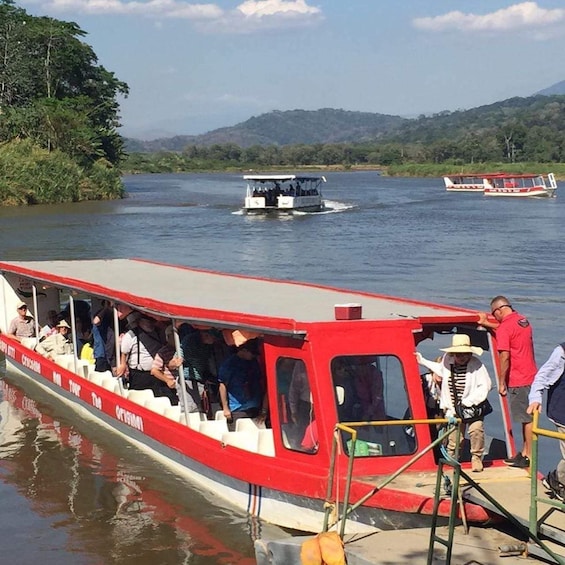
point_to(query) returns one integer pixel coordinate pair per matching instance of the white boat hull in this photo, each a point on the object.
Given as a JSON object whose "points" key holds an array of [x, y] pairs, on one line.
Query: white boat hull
{"points": [[256, 204], [520, 193]]}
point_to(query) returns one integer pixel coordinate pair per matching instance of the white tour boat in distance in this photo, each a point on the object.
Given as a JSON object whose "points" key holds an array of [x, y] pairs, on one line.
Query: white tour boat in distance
{"points": [[470, 182], [527, 185], [283, 193]]}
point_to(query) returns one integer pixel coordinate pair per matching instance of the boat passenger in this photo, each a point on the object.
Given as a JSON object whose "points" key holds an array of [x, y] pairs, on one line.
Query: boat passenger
{"points": [[138, 349], [161, 367], [57, 343], [241, 390], [465, 381], [299, 431], [348, 402], [103, 338], [22, 326], [310, 441], [299, 396], [197, 350], [50, 327], [368, 382]]}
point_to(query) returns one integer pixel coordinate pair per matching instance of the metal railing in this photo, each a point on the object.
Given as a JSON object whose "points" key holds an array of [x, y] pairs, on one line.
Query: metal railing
{"points": [[453, 427], [535, 525], [351, 429]]}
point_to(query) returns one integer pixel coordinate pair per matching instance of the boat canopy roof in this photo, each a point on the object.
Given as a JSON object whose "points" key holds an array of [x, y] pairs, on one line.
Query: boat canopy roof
{"points": [[220, 299], [512, 176], [283, 178], [496, 175]]}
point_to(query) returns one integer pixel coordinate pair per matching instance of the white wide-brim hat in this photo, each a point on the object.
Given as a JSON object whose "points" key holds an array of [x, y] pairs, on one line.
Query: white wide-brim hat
{"points": [[461, 343]]}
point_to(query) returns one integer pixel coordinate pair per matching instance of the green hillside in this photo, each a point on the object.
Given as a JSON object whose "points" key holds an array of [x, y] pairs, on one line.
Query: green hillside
{"points": [[285, 128], [518, 132]]}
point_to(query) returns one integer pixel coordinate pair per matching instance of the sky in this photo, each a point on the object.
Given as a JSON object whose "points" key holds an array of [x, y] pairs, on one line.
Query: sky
{"points": [[194, 67]]}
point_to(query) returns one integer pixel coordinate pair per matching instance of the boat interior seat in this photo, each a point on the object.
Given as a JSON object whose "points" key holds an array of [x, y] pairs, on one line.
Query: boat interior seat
{"points": [[140, 396], [65, 361], [105, 380], [194, 419], [158, 404], [90, 370], [83, 368], [248, 439], [244, 424], [214, 428], [219, 415], [174, 413], [266, 444], [97, 376], [29, 342]]}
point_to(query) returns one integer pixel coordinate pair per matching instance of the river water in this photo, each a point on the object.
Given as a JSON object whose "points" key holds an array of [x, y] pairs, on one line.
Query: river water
{"points": [[72, 493]]}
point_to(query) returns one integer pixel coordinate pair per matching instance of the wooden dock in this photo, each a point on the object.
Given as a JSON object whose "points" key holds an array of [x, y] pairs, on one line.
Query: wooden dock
{"points": [[495, 545]]}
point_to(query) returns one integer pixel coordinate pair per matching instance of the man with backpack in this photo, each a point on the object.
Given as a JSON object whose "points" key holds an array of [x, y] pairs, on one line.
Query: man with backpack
{"points": [[550, 378]]}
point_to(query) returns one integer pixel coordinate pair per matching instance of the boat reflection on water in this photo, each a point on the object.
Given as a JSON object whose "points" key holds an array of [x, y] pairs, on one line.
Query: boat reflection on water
{"points": [[112, 508]]}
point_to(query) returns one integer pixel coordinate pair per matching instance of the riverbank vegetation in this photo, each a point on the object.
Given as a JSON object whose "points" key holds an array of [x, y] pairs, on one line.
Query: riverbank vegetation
{"points": [[342, 157], [58, 114]]}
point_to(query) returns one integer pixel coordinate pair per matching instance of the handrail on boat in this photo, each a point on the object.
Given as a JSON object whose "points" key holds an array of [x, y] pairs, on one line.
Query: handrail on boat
{"points": [[453, 426], [534, 498], [350, 428]]}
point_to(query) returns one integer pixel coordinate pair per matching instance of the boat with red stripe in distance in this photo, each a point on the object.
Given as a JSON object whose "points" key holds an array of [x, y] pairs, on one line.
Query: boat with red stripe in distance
{"points": [[465, 182], [327, 356], [520, 186]]}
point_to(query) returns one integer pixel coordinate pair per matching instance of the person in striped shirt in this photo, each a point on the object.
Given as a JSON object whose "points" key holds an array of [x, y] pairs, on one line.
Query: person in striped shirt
{"points": [[465, 380]]}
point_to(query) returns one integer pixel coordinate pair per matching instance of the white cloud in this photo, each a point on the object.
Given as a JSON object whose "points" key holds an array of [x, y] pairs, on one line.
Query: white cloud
{"points": [[519, 16], [260, 8], [160, 8], [250, 15]]}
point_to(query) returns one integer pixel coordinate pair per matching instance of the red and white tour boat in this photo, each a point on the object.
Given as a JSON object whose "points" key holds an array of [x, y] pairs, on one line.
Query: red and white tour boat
{"points": [[353, 351], [507, 184]]}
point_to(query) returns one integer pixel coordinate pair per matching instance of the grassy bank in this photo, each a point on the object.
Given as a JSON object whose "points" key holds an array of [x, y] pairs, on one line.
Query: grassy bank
{"points": [[405, 170]]}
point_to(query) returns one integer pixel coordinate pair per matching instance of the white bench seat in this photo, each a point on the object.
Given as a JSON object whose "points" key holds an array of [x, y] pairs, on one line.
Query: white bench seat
{"points": [[244, 424], [158, 404], [214, 428], [248, 440], [266, 443], [174, 413], [140, 396]]}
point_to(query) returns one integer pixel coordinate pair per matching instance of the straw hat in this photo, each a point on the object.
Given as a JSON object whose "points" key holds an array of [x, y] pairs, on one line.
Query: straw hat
{"points": [[461, 343], [63, 324]]}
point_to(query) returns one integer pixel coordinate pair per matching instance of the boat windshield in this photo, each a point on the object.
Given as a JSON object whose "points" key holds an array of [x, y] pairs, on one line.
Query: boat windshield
{"points": [[372, 388]]}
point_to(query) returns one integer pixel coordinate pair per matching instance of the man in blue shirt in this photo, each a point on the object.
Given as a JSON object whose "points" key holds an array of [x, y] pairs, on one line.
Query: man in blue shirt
{"points": [[241, 389], [550, 377]]}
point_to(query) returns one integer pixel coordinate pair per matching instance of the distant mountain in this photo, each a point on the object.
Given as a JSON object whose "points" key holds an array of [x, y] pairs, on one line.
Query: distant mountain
{"points": [[284, 128], [558, 88], [340, 126]]}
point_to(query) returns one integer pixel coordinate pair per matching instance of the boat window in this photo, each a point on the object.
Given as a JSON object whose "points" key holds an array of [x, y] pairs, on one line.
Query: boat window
{"points": [[372, 388], [296, 409]]}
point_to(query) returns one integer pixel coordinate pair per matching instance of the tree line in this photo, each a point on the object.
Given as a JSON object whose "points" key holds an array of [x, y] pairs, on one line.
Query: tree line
{"points": [[58, 113], [519, 130]]}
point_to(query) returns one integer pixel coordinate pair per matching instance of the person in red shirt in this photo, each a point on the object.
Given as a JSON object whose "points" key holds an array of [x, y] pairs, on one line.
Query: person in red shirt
{"points": [[518, 368]]}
